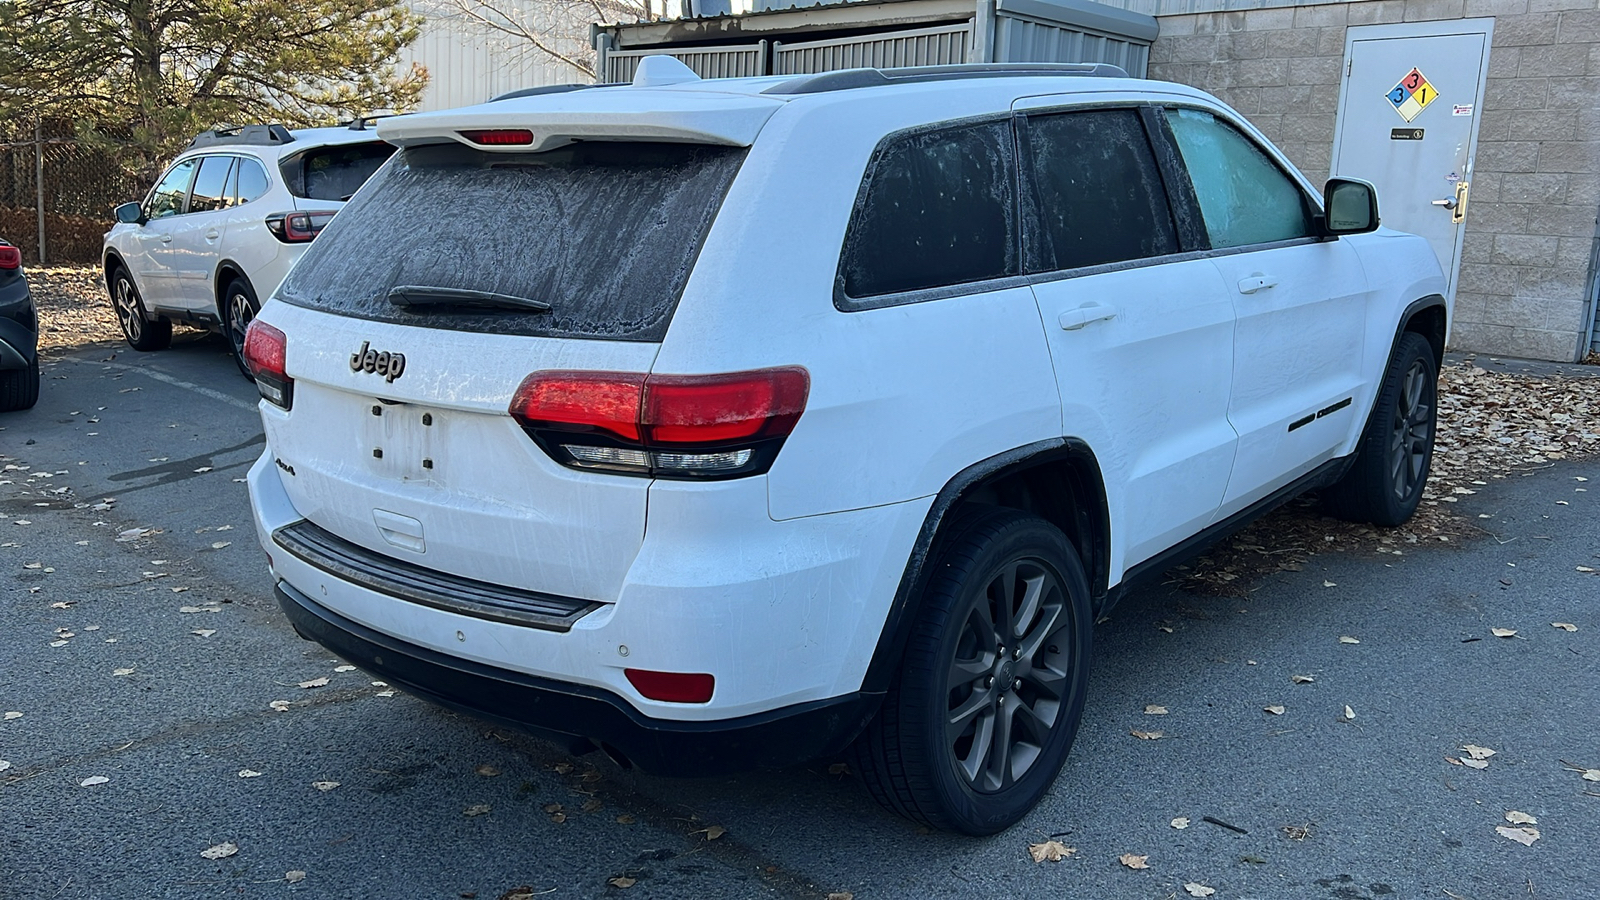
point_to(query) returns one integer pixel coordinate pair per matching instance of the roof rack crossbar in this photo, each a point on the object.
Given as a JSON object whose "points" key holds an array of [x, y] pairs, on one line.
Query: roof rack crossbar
{"points": [[850, 79], [243, 134]]}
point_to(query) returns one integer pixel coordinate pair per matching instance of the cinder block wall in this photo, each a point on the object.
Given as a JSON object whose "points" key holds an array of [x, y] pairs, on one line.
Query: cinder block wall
{"points": [[1527, 257]]}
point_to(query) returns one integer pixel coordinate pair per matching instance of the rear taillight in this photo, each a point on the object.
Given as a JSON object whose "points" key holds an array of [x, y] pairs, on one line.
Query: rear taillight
{"points": [[663, 426], [299, 227], [264, 350], [499, 137], [10, 257]]}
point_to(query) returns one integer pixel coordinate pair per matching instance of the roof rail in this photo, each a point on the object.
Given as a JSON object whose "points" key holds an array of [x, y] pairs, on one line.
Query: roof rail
{"points": [[536, 91], [243, 134], [849, 79], [362, 123]]}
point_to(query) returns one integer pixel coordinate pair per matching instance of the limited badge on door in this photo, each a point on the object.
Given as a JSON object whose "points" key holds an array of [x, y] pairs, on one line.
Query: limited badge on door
{"points": [[1412, 95]]}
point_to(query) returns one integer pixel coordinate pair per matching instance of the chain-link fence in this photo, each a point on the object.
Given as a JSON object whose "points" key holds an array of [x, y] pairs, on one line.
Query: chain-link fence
{"points": [[56, 193]]}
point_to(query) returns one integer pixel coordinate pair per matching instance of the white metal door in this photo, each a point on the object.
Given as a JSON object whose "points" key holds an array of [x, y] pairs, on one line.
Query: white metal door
{"points": [[1408, 122]]}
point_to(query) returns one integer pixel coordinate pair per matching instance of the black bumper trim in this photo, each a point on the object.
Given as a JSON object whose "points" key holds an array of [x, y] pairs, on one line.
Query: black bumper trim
{"points": [[563, 711], [350, 562]]}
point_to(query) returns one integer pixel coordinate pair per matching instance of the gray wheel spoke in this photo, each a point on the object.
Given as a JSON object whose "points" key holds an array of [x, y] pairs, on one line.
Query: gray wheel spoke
{"points": [[1007, 584], [1047, 681], [965, 670], [998, 773], [982, 739], [1042, 631], [1032, 593], [979, 701]]}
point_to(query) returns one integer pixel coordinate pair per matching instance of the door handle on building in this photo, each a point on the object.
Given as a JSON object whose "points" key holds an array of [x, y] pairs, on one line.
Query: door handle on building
{"points": [[1256, 282], [1074, 319], [1447, 203]]}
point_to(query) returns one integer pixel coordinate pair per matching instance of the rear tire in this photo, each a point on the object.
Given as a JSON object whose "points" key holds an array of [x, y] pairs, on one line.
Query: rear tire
{"points": [[1385, 483], [239, 308], [138, 329], [978, 722], [19, 388]]}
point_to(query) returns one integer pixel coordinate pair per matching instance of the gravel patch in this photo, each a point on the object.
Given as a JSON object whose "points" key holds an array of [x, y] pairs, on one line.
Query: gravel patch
{"points": [[74, 309]]}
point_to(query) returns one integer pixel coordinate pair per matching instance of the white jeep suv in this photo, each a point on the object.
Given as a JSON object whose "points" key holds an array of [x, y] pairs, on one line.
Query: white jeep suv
{"points": [[737, 422], [225, 222]]}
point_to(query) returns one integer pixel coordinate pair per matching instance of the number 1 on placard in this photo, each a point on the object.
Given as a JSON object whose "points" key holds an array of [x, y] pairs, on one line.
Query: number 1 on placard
{"points": [[1422, 95]]}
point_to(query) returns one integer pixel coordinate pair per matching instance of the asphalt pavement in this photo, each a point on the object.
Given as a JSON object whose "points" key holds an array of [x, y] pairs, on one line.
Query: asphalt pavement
{"points": [[141, 645]]}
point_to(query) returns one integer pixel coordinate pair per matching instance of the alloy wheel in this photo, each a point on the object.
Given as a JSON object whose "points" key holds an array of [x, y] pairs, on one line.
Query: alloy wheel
{"points": [[1411, 431], [1008, 678], [240, 313], [129, 314]]}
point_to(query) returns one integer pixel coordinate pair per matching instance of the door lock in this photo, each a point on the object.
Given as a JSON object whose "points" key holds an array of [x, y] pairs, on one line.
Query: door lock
{"points": [[1457, 204]]}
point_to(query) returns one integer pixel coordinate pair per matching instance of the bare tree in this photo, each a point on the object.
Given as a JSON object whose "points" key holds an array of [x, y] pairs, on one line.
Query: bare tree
{"points": [[558, 29]]}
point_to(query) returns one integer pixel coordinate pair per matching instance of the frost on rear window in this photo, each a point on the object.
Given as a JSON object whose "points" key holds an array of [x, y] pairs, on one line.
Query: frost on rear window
{"points": [[937, 210], [606, 233]]}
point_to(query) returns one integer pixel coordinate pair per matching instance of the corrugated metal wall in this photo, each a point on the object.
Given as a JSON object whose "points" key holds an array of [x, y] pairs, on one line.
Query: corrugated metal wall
{"points": [[708, 62], [922, 47], [469, 62], [1019, 39]]}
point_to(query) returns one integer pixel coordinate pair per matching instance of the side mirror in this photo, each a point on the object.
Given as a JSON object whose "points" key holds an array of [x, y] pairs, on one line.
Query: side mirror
{"points": [[1349, 207], [131, 213]]}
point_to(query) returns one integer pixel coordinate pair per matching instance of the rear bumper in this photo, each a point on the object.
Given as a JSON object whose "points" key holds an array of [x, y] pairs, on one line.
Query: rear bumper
{"points": [[779, 737], [19, 325]]}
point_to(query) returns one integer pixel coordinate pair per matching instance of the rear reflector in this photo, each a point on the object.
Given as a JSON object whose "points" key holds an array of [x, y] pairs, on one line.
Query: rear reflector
{"points": [[490, 137], [672, 687], [669, 426], [265, 350], [10, 257]]}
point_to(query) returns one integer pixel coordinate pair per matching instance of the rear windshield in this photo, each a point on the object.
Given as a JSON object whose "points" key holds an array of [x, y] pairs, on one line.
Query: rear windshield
{"points": [[333, 173], [605, 233]]}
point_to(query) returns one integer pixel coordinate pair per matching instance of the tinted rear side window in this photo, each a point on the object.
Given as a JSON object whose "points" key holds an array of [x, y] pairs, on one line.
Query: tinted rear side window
{"points": [[1097, 196], [334, 173], [936, 210], [606, 233]]}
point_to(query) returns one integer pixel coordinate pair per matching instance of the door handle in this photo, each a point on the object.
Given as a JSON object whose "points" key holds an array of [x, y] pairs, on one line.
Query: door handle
{"points": [[212, 235], [1447, 203], [1256, 282], [166, 239], [1074, 319]]}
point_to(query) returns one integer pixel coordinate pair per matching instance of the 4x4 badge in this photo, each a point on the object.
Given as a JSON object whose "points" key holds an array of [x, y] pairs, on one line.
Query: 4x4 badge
{"points": [[389, 365]]}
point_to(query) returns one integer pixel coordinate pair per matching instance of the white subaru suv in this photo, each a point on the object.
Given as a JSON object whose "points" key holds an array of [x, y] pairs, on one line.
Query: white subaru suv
{"points": [[739, 422], [225, 222]]}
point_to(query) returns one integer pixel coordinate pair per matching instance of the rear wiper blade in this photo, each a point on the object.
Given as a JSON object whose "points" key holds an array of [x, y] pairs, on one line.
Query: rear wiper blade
{"points": [[412, 296]]}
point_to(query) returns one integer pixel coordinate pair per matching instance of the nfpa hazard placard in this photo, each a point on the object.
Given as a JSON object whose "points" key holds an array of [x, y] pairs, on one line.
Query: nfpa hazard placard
{"points": [[1412, 95]]}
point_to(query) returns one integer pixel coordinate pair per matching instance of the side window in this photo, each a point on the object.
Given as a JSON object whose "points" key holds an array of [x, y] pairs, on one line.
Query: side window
{"points": [[1244, 197], [167, 199], [210, 191], [252, 181], [937, 209], [1093, 192]]}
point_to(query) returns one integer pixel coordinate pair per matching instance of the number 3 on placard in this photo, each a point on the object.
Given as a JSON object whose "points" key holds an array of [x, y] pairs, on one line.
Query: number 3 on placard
{"points": [[1412, 80]]}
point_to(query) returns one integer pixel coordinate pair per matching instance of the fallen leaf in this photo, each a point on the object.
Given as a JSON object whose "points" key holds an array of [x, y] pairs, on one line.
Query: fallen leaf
{"points": [[1179, 823], [487, 771], [93, 780], [1476, 752], [1520, 818], [324, 786], [1275, 710], [1349, 714], [841, 895], [1302, 679], [839, 768], [1134, 862], [179, 590], [1524, 836], [13, 715], [315, 682], [384, 694], [4, 765], [220, 851], [1347, 639], [204, 632], [1591, 774], [121, 671], [202, 470], [626, 819], [1198, 890], [218, 545], [132, 534], [477, 809], [1503, 632], [344, 668], [249, 773], [294, 876], [280, 705], [1474, 763], [592, 804], [622, 881], [58, 643], [1586, 568], [1050, 851], [714, 832], [1146, 735], [1153, 710], [1329, 584]]}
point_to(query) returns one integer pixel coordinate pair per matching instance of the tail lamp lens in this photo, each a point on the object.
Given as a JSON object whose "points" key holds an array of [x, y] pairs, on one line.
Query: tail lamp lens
{"points": [[672, 687], [265, 349], [10, 258], [299, 227], [666, 426]]}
